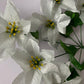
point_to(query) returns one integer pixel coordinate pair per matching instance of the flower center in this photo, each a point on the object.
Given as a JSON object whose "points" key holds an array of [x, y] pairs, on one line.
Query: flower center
{"points": [[83, 5], [50, 24], [36, 62], [57, 1], [12, 29]]}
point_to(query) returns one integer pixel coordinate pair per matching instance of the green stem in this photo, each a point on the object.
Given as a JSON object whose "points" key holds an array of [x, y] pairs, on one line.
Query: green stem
{"points": [[74, 41], [76, 37], [60, 55], [69, 44], [80, 55], [81, 35]]}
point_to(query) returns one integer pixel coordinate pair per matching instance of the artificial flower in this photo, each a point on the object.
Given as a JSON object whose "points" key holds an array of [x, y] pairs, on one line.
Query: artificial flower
{"points": [[55, 4], [12, 28], [38, 66], [80, 7], [49, 25]]}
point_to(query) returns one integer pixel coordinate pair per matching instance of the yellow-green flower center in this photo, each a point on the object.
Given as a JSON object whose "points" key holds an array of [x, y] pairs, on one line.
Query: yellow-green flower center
{"points": [[83, 5], [12, 29], [50, 24], [57, 1], [36, 62]]}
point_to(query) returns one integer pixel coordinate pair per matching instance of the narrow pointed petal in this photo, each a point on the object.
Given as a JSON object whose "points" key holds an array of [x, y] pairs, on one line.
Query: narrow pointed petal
{"points": [[11, 13]]}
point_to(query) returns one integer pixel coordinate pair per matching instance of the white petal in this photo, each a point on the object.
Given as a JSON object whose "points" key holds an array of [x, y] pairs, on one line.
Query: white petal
{"points": [[62, 22], [26, 26], [57, 14], [49, 67], [29, 77], [36, 21], [11, 13], [40, 17], [32, 47], [79, 5], [57, 78], [6, 53], [69, 5], [47, 7], [36, 77], [3, 24], [22, 58], [64, 71], [43, 33], [82, 16], [48, 55], [53, 35], [74, 81], [6, 42], [20, 79]]}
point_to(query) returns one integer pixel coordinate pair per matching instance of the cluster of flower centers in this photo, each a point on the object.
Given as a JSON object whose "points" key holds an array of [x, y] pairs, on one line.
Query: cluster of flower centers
{"points": [[57, 1], [50, 24], [36, 62], [12, 29], [83, 5]]}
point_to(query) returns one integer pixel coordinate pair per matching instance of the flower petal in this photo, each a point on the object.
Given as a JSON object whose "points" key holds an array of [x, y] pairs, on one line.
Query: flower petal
{"points": [[43, 33], [36, 77], [53, 35], [6, 42], [77, 80], [82, 16], [64, 71], [62, 22], [32, 48], [6, 53], [51, 78], [69, 5], [57, 14], [48, 55], [11, 13], [3, 24], [49, 67], [22, 58], [36, 21], [26, 26], [47, 7], [20, 79]]}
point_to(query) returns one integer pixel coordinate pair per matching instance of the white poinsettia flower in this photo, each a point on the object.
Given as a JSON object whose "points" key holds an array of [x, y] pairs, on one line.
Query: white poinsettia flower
{"points": [[80, 7], [55, 4], [38, 67], [12, 28], [50, 25]]}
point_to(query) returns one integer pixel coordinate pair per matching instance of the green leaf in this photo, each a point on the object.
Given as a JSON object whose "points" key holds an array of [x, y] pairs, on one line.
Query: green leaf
{"points": [[74, 73], [35, 34], [71, 50], [69, 30], [70, 14], [76, 63], [75, 18]]}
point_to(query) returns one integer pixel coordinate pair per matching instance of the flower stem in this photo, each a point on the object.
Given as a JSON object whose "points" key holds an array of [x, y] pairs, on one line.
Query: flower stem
{"points": [[80, 55], [76, 37], [69, 44], [81, 35], [60, 55], [74, 41]]}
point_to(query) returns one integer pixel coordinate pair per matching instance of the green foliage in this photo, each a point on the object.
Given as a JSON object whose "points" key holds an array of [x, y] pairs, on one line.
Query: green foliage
{"points": [[35, 34], [75, 18], [74, 73], [71, 50], [75, 21]]}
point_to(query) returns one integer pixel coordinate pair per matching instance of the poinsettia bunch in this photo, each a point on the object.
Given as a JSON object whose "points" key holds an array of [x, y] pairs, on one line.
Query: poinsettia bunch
{"points": [[20, 40]]}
